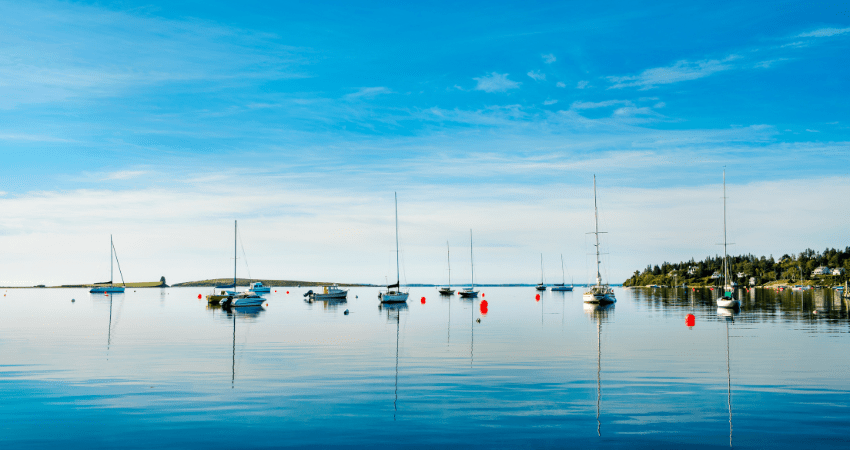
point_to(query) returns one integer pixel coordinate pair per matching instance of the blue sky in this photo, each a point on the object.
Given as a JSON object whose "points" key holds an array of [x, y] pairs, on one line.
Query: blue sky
{"points": [[161, 123]]}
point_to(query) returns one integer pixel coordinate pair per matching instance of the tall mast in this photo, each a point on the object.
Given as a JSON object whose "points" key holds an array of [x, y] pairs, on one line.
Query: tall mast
{"points": [[725, 265], [562, 270], [541, 268], [449, 260], [234, 257], [110, 260], [397, 270], [471, 263], [596, 218]]}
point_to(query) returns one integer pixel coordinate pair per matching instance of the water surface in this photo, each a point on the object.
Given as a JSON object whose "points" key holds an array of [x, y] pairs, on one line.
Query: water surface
{"points": [[158, 368]]}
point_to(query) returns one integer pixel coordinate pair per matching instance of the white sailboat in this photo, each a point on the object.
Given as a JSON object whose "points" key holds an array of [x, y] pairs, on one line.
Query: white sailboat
{"points": [[727, 300], [470, 292], [239, 299], [562, 285], [542, 285], [598, 293], [447, 290], [394, 294], [111, 288]]}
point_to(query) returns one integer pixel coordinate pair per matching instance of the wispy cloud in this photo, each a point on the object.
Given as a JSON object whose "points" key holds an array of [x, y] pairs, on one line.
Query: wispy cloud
{"points": [[825, 32], [125, 174], [549, 58], [550, 102], [495, 82], [560, 84], [368, 92], [536, 75], [582, 84], [680, 71], [603, 104]]}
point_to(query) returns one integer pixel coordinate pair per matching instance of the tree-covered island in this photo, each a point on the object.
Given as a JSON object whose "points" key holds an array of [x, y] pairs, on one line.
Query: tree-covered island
{"points": [[829, 268]]}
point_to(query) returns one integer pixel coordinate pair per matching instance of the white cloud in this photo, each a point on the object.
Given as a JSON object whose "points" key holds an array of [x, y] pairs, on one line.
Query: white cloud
{"points": [[549, 59], [550, 102], [495, 82], [125, 174], [582, 84], [660, 105], [536, 75], [629, 111], [825, 32], [368, 92], [680, 71], [560, 84], [812, 131], [604, 104]]}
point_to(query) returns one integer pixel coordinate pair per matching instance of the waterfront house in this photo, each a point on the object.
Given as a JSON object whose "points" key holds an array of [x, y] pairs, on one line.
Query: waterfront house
{"points": [[822, 270], [752, 281], [693, 270], [742, 275], [838, 271], [716, 275]]}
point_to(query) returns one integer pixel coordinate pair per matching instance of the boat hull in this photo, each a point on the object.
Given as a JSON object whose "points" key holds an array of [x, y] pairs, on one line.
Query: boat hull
{"points": [[540, 287], [393, 297], [447, 291], [106, 289], [562, 288], [468, 294], [334, 296], [262, 290], [728, 303], [600, 299]]}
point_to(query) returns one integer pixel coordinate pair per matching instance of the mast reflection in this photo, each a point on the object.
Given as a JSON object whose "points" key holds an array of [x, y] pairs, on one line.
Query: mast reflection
{"points": [[394, 315], [600, 312], [245, 314]]}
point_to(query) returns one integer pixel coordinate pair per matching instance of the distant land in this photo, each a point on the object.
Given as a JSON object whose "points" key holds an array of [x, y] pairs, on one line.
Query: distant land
{"points": [[245, 282], [829, 268]]}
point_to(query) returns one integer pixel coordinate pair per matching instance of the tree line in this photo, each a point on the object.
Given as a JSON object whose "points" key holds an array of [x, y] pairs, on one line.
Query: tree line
{"points": [[795, 269]]}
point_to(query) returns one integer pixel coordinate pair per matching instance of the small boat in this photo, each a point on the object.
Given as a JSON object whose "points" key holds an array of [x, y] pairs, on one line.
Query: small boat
{"points": [[328, 293], [394, 294], [541, 286], [257, 287], [599, 293], [470, 292], [447, 290], [561, 286], [727, 300], [111, 288], [233, 298]]}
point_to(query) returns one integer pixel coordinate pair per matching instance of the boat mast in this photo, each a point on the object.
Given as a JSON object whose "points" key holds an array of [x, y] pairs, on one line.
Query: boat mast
{"points": [[110, 260], [234, 257], [471, 263], [725, 264], [563, 278], [449, 260], [397, 270], [596, 218]]}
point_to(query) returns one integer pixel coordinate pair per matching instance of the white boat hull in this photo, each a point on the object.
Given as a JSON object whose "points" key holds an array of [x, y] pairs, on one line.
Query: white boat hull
{"points": [[728, 303], [393, 297], [599, 298]]}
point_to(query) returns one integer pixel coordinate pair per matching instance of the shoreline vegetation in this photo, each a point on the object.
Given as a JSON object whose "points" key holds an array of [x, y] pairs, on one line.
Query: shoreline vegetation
{"points": [[749, 270], [270, 283]]}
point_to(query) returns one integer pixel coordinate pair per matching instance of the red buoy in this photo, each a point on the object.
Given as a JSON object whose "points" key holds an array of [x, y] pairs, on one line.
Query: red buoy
{"points": [[422, 300], [286, 292], [199, 296], [690, 321], [482, 294], [483, 307], [537, 297]]}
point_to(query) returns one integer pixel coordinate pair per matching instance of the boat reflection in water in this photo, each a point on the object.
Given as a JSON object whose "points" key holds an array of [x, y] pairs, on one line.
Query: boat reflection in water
{"points": [[394, 315], [729, 315], [600, 312], [245, 314]]}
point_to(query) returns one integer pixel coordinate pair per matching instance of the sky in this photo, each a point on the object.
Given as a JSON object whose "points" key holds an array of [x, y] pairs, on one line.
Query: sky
{"points": [[160, 123]]}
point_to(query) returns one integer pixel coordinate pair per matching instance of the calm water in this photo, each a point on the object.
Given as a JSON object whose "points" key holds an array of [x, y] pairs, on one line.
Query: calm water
{"points": [[158, 368]]}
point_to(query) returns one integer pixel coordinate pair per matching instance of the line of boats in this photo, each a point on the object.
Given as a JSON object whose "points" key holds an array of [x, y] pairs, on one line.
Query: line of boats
{"points": [[599, 293]]}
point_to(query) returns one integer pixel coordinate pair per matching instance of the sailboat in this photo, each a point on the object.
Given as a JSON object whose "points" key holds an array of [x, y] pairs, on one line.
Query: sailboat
{"points": [[394, 294], [542, 285], [727, 300], [233, 298], [447, 290], [470, 292], [562, 285], [111, 288], [599, 293]]}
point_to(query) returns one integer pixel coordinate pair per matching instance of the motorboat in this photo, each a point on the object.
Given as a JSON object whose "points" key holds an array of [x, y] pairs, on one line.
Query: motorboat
{"points": [[333, 292], [259, 288]]}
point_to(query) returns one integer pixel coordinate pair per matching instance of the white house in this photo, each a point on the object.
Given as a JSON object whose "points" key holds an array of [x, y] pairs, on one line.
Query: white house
{"points": [[822, 270], [838, 271], [752, 281], [692, 270], [716, 275], [741, 275]]}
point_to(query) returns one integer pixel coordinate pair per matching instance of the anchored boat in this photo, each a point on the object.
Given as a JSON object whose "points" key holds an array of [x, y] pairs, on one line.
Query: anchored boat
{"points": [[598, 293], [111, 288]]}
